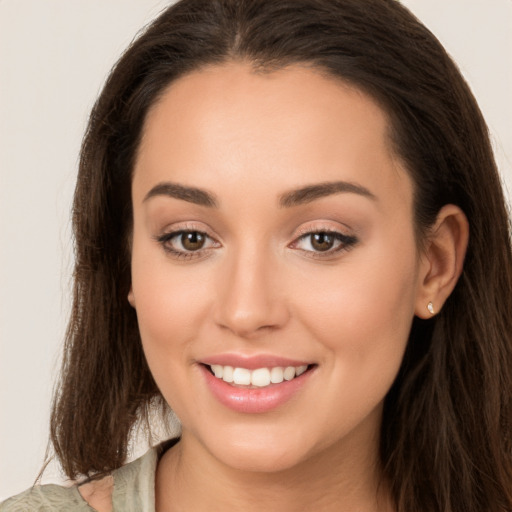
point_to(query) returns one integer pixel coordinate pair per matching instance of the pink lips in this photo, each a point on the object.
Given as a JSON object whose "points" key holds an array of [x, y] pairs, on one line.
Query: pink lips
{"points": [[252, 400]]}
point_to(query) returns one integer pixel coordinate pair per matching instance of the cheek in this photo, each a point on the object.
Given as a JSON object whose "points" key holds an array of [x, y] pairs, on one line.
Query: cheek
{"points": [[170, 307], [170, 304], [363, 311], [362, 316]]}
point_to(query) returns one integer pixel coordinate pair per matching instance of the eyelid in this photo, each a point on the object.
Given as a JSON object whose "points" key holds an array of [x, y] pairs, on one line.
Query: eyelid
{"points": [[186, 225], [180, 227], [323, 226]]}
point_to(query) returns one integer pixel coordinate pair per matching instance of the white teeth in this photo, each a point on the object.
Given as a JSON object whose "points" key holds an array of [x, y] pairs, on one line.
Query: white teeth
{"points": [[227, 374], [289, 373], [260, 378], [242, 376], [218, 370], [300, 370], [276, 375]]}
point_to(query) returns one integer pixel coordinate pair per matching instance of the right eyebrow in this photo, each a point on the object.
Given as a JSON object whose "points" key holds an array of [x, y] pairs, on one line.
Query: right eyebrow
{"points": [[190, 194]]}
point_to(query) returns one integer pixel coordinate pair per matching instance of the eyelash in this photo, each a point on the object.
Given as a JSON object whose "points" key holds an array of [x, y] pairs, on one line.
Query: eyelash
{"points": [[346, 242], [165, 241]]}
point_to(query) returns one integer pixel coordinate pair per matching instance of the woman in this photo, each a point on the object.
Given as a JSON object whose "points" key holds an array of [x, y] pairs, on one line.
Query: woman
{"points": [[290, 229]]}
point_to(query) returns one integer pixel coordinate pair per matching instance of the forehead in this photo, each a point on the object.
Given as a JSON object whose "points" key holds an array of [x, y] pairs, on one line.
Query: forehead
{"points": [[291, 127]]}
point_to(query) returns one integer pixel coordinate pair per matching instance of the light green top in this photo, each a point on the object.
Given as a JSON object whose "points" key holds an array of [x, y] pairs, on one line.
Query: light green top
{"points": [[134, 490]]}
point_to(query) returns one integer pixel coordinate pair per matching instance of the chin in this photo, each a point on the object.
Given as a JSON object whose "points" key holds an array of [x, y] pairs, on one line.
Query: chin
{"points": [[256, 459], [265, 452]]}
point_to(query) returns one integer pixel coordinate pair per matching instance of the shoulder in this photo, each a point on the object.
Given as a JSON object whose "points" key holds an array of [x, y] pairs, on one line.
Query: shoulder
{"points": [[46, 498], [98, 493], [129, 488]]}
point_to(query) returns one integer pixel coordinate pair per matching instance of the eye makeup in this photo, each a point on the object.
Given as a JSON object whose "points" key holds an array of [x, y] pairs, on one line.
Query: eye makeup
{"points": [[188, 243]]}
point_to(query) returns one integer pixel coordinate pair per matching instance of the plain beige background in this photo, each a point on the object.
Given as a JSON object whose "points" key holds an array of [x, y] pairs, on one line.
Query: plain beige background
{"points": [[54, 57]]}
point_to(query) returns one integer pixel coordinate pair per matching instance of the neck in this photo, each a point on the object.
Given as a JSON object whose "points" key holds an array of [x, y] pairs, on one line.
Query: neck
{"points": [[339, 478]]}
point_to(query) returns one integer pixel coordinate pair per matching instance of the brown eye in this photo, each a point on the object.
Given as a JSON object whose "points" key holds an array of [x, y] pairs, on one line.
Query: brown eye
{"points": [[192, 240], [322, 241], [186, 243]]}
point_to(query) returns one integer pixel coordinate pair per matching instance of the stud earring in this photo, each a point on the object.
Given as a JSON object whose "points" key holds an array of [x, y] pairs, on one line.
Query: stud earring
{"points": [[430, 308]]}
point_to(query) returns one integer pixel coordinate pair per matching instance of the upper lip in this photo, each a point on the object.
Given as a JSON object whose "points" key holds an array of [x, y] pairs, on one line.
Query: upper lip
{"points": [[252, 362]]}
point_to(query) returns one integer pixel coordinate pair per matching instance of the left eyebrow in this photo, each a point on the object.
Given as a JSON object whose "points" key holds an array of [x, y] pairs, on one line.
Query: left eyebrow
{"points": [[312, 192]]}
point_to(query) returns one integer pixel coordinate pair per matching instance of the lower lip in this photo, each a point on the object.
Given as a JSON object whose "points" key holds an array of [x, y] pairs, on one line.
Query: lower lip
{"points": [[254, 400]]}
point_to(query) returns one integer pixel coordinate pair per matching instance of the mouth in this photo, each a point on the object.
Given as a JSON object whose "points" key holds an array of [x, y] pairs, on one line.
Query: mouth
{"points": [[255, 384], [257, 378]]}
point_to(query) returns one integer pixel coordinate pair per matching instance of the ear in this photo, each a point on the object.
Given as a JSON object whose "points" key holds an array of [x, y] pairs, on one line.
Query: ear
{"points": [[131, 297], [442, 260]]}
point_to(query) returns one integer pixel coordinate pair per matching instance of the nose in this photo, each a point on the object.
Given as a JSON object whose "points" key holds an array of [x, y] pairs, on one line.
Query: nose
{"points": [[251, 298]]}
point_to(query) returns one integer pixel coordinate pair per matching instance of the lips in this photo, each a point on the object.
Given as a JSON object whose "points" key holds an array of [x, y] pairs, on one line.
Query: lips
{"points": [[255, 384]]}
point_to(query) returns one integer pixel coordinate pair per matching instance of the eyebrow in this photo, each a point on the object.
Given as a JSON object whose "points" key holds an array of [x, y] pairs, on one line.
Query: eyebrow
{"points": [[312, 192], [185, 193], [295, 197]]}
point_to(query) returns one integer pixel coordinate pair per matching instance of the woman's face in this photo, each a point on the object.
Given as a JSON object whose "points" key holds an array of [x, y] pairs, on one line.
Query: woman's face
{"points": [[273, 231]]}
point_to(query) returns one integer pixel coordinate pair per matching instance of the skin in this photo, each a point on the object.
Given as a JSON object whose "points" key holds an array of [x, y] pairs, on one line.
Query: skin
{"points": [[258, 285]]}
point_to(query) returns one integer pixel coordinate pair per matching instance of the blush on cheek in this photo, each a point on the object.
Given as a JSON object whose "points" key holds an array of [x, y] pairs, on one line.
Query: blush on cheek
{"points": [[362, 312], [164, 295]]}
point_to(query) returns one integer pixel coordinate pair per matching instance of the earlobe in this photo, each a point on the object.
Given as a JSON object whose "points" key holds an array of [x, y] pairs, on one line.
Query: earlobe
{"points": [[442, 260], [131, 297]]}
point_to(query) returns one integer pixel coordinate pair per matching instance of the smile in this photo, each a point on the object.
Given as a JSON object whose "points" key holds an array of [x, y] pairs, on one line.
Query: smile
{"points": [[255, 385], [258, 378]]}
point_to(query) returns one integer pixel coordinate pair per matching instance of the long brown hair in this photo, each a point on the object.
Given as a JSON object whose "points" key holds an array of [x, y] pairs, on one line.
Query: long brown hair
{"points": [[446, 433]]}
